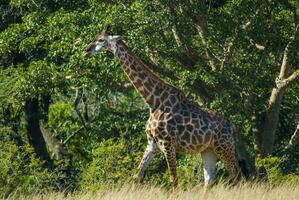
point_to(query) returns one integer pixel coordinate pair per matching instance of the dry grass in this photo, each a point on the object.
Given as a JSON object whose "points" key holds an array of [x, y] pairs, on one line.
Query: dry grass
{"points": [[244, 192]]}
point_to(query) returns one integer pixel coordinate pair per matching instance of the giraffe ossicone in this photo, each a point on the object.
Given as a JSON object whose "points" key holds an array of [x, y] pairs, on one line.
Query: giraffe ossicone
{"points": [[175, 125]]}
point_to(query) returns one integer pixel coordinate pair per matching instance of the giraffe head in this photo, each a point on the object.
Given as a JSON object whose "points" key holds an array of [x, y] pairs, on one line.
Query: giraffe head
{"points": [[103, 41]]}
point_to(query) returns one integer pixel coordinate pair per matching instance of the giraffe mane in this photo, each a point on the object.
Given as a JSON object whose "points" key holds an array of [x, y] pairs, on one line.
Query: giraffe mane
{"points": [[146, 68]]}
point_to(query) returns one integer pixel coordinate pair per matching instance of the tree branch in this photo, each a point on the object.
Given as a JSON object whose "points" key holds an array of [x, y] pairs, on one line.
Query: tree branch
{"points": [[229, 49], [286, 82], [79, 96], [176, 36], [282, 80], [72, 135], [202, 29], [178, 58], [294, 139], [284, 63]]}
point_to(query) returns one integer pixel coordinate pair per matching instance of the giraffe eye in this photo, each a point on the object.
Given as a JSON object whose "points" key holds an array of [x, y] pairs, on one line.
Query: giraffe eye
{"points": [[101, 40]]}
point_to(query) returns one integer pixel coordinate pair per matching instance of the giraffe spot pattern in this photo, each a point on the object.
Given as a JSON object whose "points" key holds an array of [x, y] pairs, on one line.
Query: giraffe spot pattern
{"points": [[174, 123]]}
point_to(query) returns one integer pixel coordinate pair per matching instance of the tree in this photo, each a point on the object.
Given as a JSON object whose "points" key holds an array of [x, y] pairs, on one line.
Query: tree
{"points": [[239, 58]]}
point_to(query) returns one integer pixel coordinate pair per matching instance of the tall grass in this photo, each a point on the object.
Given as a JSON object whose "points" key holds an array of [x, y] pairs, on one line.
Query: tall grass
{"points": [[219, 192]]}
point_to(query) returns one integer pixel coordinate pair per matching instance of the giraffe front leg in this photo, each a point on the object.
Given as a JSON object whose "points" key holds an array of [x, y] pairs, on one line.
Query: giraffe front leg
{"points": [[147, 157], [209, 163], [170, 155]]}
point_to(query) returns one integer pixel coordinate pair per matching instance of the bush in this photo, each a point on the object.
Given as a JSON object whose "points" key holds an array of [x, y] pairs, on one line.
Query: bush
{"points": [[275, 172], [113, 164], [20, 171]]}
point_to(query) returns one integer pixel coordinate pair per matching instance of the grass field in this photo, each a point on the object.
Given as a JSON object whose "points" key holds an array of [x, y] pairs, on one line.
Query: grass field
{"points": [[246, 192]]}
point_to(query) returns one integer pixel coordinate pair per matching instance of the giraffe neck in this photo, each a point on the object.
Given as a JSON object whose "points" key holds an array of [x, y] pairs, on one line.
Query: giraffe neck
{"points": [[154, 91]]}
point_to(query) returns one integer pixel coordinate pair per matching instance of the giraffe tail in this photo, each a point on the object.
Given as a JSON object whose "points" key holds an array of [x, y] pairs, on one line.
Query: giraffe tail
{"points": [[241, 154], [244, 168]]}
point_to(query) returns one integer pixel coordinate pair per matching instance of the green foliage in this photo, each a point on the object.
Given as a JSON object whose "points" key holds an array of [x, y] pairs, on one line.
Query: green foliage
{"points": [[20, 171], [115, 161], [113, 164], [274, 168], [190, 170], [40, 54], [59, 112]]}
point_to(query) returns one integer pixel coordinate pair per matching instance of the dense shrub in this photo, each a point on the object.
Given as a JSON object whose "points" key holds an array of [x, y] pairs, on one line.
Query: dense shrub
{"points": [[113, 164], [225, 57], [274, 166], [20, 171]]}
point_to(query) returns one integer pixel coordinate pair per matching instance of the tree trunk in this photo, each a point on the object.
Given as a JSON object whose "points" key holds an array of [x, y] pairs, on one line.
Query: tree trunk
{"points": [[56, 146], [53, 143], [35, 136], [271, 121], [36, 109], [203, 32], [266, 140], [264, 134], [284, 79]]}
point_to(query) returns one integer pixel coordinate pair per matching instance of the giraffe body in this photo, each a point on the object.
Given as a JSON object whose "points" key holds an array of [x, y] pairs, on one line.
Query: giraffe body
{"points": [[187, 129], [190, 129], [175, 125]]}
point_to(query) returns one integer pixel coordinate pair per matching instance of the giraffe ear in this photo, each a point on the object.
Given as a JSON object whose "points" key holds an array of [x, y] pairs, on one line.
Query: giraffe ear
{"points": [[107, 31], [107, 28]]}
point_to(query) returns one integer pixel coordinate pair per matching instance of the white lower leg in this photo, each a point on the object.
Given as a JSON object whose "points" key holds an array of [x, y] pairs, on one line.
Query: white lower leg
{"points": [[146, 160], [209, 162]]}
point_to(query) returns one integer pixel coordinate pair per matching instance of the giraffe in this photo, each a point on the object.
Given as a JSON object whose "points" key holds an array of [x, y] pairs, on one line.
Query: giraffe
{"points": [[175, 125]]}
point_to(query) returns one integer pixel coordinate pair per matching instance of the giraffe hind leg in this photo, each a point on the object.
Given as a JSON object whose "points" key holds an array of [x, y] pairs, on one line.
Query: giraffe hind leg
{"points": [[229, 158], [209, 159]]}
